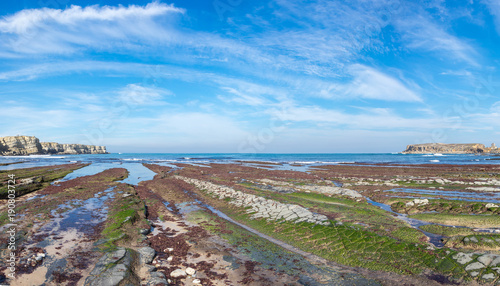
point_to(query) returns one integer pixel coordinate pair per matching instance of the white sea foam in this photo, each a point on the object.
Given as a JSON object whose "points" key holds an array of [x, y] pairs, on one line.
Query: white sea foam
{"points": [[321, 162], [435, 161], [37, 157]]}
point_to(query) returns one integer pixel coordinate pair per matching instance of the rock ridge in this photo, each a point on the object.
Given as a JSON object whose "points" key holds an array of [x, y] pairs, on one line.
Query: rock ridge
{"points": [[472, 148], [30, 145]]}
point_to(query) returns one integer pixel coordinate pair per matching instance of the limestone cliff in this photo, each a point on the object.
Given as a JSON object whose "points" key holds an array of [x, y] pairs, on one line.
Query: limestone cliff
{"points": [[19, 145], [30, 145], [56, 148], [473, 148]]}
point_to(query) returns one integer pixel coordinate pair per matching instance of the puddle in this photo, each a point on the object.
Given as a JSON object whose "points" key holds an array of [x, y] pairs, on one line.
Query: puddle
{"points": [[337, 184], [187, 207], [487, 230], [466, 196], [415, 223], [89, 170], [68, 230], [35, 197], [81, 214], [479, 200], [136, 172]]}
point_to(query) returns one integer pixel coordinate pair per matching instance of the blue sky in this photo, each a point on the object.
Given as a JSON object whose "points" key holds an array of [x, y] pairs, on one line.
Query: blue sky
{"points": [[251, 76]]}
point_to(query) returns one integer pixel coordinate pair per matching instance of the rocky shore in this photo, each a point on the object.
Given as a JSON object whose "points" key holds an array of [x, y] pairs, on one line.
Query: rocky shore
{"points": [[237, 224], [260, 207], [427, 148], [30, 145]]}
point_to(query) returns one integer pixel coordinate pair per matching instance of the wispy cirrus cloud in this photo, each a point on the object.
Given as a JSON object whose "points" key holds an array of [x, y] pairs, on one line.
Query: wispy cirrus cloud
{"points": [[56, 31], [423, 34], [369, 83], [494, 8], [136, 94], [370, 119]]}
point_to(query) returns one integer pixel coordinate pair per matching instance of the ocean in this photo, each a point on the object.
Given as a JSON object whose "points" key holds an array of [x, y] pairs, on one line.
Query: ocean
{"points": [[284, 159]]}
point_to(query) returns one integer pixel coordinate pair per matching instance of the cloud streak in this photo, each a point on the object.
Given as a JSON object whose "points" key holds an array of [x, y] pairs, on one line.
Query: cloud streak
{"points": [[27, 20], [369, 83], [421, 33], [56, 31]]}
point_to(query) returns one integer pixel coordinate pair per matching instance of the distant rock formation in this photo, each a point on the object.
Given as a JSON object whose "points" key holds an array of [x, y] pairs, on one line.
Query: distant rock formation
{"points": [[30, 145], [473, 148]]}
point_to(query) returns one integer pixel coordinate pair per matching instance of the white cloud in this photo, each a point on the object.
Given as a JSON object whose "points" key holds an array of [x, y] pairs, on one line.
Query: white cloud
{"points": [[494, 7], [370, 83], [178, 132], [31, 120], [420, 33], [55, 31], [29, 19], [495, 107], [134, 94], [241, 98], [376, 118]]}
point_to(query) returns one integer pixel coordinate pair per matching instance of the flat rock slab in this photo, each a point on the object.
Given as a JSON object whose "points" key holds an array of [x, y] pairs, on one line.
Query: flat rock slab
{"points": [[463, 258], [120, 261]]}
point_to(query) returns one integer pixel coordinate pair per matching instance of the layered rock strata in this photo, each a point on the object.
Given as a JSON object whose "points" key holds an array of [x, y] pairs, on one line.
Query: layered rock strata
{"points": [[285, 187], [30, 145], [260, 207]]}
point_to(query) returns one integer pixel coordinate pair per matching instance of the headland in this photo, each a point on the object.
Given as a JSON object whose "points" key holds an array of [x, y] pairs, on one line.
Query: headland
{"points": [[30, 145], [472, 148]]}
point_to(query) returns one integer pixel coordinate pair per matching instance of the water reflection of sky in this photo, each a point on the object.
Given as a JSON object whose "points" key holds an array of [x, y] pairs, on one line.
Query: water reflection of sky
{"points": [[491, 197], [137, 172]]}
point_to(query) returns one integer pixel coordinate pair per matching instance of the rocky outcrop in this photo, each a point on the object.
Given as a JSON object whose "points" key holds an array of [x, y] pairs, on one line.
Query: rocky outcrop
{"points": [[56, 148], [112, 268], [19, 145], [30, 145], [259, 207], [474, 148]]}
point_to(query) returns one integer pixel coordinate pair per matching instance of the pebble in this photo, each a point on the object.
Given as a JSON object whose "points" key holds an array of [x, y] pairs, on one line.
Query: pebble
{"points": [[178, 273], [190, 271]]}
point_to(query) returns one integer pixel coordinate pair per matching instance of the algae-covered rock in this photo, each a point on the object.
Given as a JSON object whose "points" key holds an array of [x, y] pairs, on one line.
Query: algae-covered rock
{"points": [[111, 269]]}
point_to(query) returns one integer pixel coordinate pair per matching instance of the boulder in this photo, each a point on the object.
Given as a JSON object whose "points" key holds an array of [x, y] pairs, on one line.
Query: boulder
{"points": [[146, 254], [103, 275]]}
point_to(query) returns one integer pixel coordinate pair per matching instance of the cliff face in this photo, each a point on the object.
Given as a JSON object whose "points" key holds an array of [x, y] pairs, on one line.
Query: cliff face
{"points": [[474, 148], [19, 145], [30, 145], [56, 148]]}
